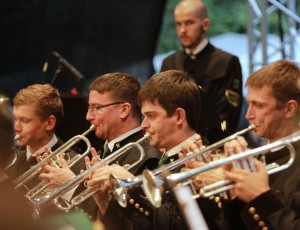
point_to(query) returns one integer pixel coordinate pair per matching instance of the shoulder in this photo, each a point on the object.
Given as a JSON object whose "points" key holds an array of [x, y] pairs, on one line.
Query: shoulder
{"points": [[174, 54], [172, 59], [222, 55]]}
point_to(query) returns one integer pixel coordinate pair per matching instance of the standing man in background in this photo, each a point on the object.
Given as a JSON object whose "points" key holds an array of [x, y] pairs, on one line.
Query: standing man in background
{"points": [[217, 72]]}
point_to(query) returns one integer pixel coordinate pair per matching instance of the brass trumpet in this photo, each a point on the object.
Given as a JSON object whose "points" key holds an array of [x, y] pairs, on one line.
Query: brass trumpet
{"points": [[119, 186], [151, 187], [32, 172], [59, 191]]}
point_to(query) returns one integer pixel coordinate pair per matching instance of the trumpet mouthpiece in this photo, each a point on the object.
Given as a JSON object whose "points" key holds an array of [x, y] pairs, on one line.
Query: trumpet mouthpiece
{"points": [[17, 137], [252, 126]]}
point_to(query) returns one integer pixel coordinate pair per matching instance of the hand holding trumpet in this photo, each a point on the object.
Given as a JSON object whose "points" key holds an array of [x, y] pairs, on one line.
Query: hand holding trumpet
{"points": [[204, 178], [55, 176], [247, 184], [99, 178]]}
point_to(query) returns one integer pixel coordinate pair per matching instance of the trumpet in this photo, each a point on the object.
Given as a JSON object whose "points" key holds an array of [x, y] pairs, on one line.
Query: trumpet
{"points": [[13, 161], [152, 184], [119, 186], [75, 201], [17, 136], [52, 157]]}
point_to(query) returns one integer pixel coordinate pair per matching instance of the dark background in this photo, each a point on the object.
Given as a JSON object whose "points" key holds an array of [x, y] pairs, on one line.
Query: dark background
{"points": [[95, 36]]}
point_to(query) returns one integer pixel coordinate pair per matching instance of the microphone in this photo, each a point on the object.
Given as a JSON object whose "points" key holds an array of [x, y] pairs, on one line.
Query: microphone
{"points": [[67, 66]]}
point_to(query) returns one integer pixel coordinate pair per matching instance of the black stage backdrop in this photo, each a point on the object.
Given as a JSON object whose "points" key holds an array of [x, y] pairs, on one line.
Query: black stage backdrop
{"points": [[95, 36]]}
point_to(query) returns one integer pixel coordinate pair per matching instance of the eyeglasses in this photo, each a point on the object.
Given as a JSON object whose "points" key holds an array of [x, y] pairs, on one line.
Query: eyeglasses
{"points": [[94, 109]]}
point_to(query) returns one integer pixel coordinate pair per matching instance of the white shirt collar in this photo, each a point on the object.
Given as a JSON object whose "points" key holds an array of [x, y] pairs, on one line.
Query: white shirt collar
{"points": [[111, 144], [177, 148], [41, 150], [199, 48]]}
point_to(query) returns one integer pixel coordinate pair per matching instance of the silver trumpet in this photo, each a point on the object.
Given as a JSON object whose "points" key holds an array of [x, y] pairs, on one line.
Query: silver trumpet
{"points": [[119, 187], [13, 161], [153, 184], [53, 158], [90, 191], [14, 151]]}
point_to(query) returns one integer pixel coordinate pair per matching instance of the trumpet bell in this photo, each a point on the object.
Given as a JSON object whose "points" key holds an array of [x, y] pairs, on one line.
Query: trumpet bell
{"points": [[118, 190], [151, 189]]}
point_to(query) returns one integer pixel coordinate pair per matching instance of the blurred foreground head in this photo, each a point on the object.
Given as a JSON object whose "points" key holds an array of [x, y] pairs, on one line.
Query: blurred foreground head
{"points": [[6, 131]]}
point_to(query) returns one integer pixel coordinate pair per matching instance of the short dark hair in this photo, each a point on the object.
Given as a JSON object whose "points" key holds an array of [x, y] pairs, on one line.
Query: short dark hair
{"points": [[121, 87], [174, 89]]}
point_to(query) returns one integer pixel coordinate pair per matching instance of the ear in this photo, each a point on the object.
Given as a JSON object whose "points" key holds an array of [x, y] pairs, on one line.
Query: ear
{"points": [[50, 122], [291, 108], [125, 110], [206, 24], [180, 116]]}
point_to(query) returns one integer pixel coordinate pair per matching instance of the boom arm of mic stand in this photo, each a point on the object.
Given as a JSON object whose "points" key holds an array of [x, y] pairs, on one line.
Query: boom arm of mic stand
{"points": [[56, 74]]}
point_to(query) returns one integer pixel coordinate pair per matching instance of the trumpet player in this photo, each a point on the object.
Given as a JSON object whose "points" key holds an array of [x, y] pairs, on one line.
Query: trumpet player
{"points": [[170, 104], [37, 110], [14, 209], [269, 202], [115, 113]]}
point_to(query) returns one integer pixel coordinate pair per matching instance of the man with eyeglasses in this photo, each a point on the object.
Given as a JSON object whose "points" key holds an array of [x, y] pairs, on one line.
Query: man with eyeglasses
{"points": [[114, 111]]}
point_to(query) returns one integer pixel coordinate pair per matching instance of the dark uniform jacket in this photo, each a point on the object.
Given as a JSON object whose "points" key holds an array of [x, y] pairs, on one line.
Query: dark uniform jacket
{"points": [[142, 215], [117, 217], [220, 76], [168, 216], [150, 161], [278, 208]]}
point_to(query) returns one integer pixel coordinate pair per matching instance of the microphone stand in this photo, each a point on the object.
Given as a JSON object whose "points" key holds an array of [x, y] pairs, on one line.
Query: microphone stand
{"points": [[56, 74]]}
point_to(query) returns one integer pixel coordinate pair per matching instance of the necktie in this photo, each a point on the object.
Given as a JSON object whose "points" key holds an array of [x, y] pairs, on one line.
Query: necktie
{"points": [[106, 151], [189, 65], [31, 161], [192, 56], [163, 160]]}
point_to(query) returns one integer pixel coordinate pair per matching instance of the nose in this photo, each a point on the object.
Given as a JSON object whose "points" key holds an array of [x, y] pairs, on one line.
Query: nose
{"points": [[182, 29], [250, 113], [17, 127], [89, 116], [144, 124]]}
